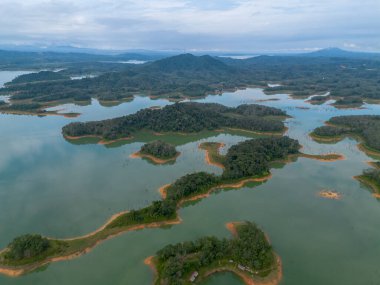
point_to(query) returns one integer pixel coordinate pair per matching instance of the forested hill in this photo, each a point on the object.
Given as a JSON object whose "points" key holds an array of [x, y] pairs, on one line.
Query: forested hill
{"points": [[190, 63], [189, 76], [183, 117], [176, 77]]}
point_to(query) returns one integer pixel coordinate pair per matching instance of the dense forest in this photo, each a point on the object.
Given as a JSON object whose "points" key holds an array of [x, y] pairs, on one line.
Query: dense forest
{"points": [[27, 246], [187, 75], [366, 126], [159, 149], [249, 248], [252, 157], [183, 117]]}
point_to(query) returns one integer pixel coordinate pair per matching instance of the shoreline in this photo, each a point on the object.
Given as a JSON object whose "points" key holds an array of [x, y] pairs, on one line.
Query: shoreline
{"points": [[208, 157], [375, 189], [153, 158], [108, 233], [273, 278], [329, 194], [100, 138]]}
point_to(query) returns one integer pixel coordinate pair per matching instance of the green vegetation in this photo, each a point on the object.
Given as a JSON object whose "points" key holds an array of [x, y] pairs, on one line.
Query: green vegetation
{"points": [[371, 177], [37, 77], [164, 211], [27, 246], [185, 76], [349, 102], [159, 149], [249, 249], [183, 117], [367, 127], [252, 157]]}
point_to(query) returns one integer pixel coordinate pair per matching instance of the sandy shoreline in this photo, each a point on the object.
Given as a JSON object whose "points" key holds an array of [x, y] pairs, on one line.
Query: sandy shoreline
{"points": [[328, 194], [208, 158], [101, 140], [324, 157], [274, 278], [153, 158]]}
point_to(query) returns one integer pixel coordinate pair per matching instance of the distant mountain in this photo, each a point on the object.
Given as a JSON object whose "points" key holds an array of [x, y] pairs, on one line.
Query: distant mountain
{"points": [[15, 59], [337, 52], [190, 63]]}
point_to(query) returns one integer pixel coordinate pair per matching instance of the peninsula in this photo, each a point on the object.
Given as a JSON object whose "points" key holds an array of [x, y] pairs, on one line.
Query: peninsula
{"points": [[365, 128]]}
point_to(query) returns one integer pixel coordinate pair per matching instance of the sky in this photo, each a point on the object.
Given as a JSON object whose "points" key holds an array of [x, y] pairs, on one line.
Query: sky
{"points": [[198, 25]]}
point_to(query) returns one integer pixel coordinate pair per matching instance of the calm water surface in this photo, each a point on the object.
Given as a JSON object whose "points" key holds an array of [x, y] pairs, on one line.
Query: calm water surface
{"points": [[53, 187]]}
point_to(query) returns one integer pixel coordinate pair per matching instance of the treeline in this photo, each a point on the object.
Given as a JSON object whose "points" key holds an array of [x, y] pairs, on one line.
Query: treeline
{"points": [[250, 248], [39, 76], [353, 101], [182, 117], [159, 149], [366, 126]]}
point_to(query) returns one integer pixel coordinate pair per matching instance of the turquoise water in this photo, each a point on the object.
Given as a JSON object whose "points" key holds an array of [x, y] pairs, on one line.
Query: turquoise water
{"points": [[52, 187]]}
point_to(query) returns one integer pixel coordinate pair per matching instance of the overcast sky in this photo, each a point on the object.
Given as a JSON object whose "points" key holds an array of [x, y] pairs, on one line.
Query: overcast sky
{"points": [[229, 25]]}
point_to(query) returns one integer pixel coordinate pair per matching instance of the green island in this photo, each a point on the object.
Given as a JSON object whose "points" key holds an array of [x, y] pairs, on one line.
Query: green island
{"points": [[348, 102], [248, 161], [159, 152], [365, 128], [371, 178], [248, 254], [187, 76], [187, 118]]}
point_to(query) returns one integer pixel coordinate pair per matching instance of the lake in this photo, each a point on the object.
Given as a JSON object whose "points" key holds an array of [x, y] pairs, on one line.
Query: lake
{"points": [[61, 190]]}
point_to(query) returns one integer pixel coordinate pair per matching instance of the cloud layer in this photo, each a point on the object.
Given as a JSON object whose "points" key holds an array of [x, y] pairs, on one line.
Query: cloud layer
{"points": [[239, 25]]}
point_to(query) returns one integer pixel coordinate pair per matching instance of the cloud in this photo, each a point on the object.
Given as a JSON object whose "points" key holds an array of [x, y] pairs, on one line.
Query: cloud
{"points": [[197, 24]]}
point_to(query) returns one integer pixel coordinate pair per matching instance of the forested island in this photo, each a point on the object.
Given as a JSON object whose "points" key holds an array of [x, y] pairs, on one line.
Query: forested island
{"points": [[366, 128], [238, 171], [187, 117], [158, 152], [188, 76], [248, 254]]}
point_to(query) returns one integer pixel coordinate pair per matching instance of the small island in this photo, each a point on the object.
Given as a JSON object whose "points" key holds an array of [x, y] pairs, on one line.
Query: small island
{"points": [[248, 255], [182, 118], [329, 194], [371, 178], [158, 152], [365, 128]]}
